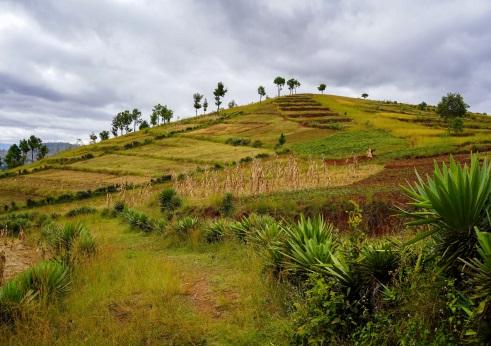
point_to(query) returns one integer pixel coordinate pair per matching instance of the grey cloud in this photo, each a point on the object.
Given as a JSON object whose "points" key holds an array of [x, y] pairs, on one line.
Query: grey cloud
{"points": [[67, 66]]}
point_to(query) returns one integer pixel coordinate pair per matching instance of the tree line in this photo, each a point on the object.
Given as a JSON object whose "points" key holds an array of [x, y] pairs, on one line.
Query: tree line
{"points": [[17, 154]]}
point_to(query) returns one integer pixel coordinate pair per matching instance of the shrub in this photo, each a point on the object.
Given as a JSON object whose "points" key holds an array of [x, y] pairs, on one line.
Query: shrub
{"points": [[257, 144], [326, 316], [246, 228], [48, 279], [378, 265], [169, 200], [238, 141], [119, 206], [246, 159], [80, 211], [453, 202], [185, 225], [62, 239], [139, 220], [227, 204], [86, 243], [216, 230], [14, 223], [309, 244], [13, 297]]}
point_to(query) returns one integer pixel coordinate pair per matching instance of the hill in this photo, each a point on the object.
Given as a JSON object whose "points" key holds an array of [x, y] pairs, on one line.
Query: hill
{"points": [[210, 231], [317, 128]]}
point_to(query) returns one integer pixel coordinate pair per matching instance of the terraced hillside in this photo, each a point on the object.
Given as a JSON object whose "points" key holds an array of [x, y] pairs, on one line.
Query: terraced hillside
{"points": [[317, 128]]}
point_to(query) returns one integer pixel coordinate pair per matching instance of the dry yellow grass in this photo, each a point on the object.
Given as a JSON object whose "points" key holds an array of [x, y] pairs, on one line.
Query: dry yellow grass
{"points": [[277, 174]]}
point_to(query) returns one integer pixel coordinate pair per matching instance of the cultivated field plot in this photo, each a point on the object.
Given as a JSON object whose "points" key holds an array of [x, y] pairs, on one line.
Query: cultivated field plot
{"points": [[184, 149], [277, 174], [57, 181], [264, 127], [134, 164]]}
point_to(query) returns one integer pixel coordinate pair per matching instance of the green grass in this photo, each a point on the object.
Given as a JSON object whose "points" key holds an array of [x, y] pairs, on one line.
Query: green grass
{"points": [[346, 144]]}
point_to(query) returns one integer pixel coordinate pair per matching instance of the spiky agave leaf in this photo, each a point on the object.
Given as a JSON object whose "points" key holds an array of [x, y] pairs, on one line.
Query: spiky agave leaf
{"points": [[48, 278], [453, 202], [309, 245]]}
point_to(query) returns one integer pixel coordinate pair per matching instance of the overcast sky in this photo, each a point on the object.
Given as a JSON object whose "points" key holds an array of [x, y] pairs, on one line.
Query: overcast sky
{"points": [[67, 66]]}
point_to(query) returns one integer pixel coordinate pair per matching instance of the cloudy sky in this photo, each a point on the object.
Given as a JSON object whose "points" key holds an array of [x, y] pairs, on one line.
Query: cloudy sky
{"points": [[67, 66]]}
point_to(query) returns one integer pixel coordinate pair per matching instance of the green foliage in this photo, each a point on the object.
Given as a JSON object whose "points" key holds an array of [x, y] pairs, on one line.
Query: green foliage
{"points": [[280, 82], [345, 144], [452, 202], [326, 315], [309, 245], [378, 265], [139, 220], [63, 240], [227, 205], [238, 141], [169, 200], [81, 211], [321, 88], [452, 106], [261, 92], [185, 225], [48, 279], [216, 230], [281, 139], [119, 207], [219, 93], [14, 223]]}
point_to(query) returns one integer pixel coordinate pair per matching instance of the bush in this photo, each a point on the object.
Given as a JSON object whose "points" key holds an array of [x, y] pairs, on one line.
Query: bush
{"points": [[169, 200], [326, 316], [452, 202], [216, 230], [139, 220], [246, 159], [14, 223], [119, 207], [185, 225], [378, 265], [309, 245], [81, 211], [48, 279], [227, 205], [62, 240], [238, 141], [257, 144]]}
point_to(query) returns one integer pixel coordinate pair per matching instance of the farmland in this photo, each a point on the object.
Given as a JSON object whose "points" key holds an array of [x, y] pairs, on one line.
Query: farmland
{"points": [[210, 230]]}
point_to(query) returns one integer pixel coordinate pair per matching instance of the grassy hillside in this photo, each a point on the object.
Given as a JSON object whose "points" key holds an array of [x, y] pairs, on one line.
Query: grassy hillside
{"points": [[182, 234], [316, 126]]}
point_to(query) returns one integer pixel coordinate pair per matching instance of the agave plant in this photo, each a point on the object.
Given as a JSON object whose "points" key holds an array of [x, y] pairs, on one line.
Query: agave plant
{"points": [[309, 245], [216, 230], [452, 202], [481, 268], [86, 243], [49, 279], [186, 224], [13, 296], [63, 240], [138, 220], [378, 265], [246, 228]]}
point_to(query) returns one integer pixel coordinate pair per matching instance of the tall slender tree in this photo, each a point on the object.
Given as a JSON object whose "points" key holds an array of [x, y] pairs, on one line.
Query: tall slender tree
{"points": [[34, 144], [219, 93], [13, 157], [136, 118], [197, 97], [205, 106], [261, 92], [291, 85], [166, 114], [280, 82], [296, 85], [24, 148], [42, 151]]}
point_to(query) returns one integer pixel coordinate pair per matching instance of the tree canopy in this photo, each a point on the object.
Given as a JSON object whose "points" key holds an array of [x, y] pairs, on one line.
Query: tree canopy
{"points": [[219, 93], [261, 92], [321, 88], [280, 82], [452, 106]]}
